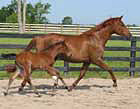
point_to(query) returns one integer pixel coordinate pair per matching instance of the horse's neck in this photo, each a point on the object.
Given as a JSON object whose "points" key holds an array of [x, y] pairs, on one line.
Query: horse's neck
{"points": [[104, 34], [89, 32]]}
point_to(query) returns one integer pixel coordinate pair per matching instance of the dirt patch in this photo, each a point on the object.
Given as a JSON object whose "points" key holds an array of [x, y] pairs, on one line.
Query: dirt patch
{"points": [[89, 94]]}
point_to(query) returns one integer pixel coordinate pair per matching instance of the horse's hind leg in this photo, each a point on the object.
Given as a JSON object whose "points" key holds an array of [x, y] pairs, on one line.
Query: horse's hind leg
{"points": [[11, 79], [82, 73], [23, 84], [27, 69], [101, 64]]}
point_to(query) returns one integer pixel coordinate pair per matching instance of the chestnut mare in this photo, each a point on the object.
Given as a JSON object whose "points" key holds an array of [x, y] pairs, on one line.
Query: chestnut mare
{"points": [[27, 61], [86, 48]]}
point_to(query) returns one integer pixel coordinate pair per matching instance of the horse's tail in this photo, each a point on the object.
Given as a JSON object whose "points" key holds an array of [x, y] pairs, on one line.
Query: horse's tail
{"points": [[30, 45]]}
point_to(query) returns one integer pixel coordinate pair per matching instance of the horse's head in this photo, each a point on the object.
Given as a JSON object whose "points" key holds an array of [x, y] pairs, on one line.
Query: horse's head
{"points": [[120, 28]]}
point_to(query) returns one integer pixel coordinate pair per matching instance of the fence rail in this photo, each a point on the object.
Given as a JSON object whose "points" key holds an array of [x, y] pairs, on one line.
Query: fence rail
{"points": [[55, 28], [132, 59]]}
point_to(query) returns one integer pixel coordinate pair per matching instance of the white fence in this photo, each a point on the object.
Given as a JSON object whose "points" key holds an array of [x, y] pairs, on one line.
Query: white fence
{"points": [[55, 28]]}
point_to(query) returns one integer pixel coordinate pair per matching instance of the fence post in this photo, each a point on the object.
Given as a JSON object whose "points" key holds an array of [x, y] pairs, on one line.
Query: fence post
{"points": [[13, 27], [66, 68], [29, 27], [45, 28], [132, 57], [61, 28], [78, 28]]}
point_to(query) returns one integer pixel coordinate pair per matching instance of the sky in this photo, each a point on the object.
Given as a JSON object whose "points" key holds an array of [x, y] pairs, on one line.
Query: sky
{"points": [[91, 11]]}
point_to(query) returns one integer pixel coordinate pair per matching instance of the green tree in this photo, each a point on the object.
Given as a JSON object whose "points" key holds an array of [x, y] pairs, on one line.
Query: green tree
{"points": [[41, 10], [30, 14], [12, 18], [3, 13], [35, 13], [67, 20], [7, 11]]}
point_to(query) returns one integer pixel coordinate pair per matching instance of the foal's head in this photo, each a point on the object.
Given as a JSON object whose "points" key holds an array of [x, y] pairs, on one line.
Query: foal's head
{"points": [[120, 28]]}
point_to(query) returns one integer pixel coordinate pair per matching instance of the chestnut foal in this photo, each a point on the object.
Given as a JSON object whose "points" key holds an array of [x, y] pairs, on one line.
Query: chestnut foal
{"points": [[28, 61]]}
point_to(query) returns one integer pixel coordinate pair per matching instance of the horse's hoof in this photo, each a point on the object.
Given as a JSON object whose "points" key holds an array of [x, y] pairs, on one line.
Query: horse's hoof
{"points": [[20, 90], [66, 87], [55, 86], [38, 94], [70, 88], [5, 93], [114, 85]]}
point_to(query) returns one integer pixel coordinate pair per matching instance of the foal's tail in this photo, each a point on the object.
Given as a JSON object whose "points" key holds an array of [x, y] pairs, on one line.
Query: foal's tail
{"points": [[30, 45], [10, 68]]}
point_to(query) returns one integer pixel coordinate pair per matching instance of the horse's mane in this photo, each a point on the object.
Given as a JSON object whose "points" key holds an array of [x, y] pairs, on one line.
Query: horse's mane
{"points": [[100, 26]]}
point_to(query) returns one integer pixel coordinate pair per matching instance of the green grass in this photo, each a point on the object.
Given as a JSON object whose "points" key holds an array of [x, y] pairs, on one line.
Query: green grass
{"points": [[14, 40], [42, 74]]}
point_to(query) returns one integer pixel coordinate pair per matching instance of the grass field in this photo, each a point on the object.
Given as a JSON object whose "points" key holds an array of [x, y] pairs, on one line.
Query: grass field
{"points": [[41, 74]]}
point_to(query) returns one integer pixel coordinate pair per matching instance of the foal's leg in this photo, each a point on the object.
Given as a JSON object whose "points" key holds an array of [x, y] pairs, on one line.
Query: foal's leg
{"points": [[55, 79], [22, 74], [82, 73], [55, 74], [11, 79], [24, 83], [101, 64], [27, 78]]}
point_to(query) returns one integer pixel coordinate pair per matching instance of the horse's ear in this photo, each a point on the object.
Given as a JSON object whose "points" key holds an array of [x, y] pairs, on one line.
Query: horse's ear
{"points": [[121, 17]]}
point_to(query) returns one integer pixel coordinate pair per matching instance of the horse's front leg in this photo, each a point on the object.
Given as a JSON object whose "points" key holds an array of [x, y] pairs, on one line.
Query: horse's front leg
{"points": [[101, 64], [82, 74], [54, 77]]}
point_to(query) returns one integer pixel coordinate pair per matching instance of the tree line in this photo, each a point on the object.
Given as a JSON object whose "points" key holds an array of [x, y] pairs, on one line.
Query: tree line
{"points": [[21, 12], [35, 13]]}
